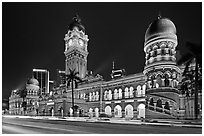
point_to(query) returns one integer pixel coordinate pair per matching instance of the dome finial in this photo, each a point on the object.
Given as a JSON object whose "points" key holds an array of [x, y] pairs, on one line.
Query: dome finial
{"points": [[159, 15], [76, 18]]}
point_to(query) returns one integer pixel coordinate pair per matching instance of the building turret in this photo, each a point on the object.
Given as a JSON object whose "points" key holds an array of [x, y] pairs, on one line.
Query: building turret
{"points": [[162, 73], [76, 52], [160, 50]]}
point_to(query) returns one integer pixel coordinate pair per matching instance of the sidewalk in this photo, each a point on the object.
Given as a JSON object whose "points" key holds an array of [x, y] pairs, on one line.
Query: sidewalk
{"points": [[158, 122]]}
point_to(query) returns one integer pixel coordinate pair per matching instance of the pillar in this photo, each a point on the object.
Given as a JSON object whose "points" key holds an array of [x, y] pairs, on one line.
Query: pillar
{"points": [[163, 108], [155, 106], [135, 114], [163, 82], [123, 113]]}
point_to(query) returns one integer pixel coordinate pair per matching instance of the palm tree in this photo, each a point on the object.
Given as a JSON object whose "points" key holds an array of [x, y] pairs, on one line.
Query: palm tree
{"points": [[23, 93], [194, 54], [73, 78]]}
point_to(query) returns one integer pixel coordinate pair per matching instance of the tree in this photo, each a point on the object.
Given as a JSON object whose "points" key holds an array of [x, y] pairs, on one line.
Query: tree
{"points": [[194, 54], [73, 78], [23, 93]]}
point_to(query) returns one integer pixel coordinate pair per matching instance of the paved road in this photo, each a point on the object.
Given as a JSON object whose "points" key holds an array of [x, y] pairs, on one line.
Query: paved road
{"points": [[36, 126]]}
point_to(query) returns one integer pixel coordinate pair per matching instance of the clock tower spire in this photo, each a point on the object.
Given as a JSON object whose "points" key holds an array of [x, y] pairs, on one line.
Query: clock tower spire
{"points": [[76, 42]]}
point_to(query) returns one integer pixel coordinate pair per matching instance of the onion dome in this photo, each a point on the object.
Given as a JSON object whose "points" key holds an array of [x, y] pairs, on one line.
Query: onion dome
{"points": [[76, 22], [33, 81], [160, 27]]}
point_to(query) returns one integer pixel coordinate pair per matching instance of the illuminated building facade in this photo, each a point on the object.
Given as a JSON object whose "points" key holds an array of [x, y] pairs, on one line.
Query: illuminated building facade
{"points": [[31, 99], [61, 80], [160, 69], [42, 76], [152, 93], [15, 107]]}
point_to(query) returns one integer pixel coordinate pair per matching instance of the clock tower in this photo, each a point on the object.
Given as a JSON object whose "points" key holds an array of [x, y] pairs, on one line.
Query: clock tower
{"points": [[76, 43]]}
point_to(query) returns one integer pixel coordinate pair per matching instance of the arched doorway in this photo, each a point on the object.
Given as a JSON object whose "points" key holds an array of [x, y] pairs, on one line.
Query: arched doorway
{"points": [[91, 112], [129, 111], [96, 112], [118, 111], [141, 110], [70, 112], [108, 110]]}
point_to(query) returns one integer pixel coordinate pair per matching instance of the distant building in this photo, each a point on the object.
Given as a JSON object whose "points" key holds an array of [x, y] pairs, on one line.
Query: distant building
{"points": [[61, 79], [117, 73], [42, 76]]}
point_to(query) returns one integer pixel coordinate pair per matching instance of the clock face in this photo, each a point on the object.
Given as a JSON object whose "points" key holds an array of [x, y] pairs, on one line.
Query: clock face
{"points": [[70, 42], [81, 43]]}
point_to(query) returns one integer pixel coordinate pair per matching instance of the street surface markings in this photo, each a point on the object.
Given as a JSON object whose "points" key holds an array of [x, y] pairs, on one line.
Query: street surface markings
{"points": [[59, 129]]}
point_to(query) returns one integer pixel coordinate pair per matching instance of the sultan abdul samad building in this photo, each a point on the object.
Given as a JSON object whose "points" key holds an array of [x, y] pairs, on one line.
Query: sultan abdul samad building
{"points": [[152, 93]]}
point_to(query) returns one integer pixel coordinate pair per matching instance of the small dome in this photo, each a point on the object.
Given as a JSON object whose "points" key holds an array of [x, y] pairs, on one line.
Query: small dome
{"points": [[33, 81], [76, 23], [160, 26]]}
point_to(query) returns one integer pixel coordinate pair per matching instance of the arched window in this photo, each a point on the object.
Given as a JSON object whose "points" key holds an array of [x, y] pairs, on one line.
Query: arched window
{"points": [[143, 90], [129, 111], [152, 83], [141, 110], [159, 81], [115, 94], [97, 96], [120, 93], [110, 95], [166, 106], [138, 91], [105, 95], [108, 110], [93, 96], [81, 96], [159, 103], [151, 102], [118, 111], [126, 92], [131, 91], [166, 80], [90, 96]]}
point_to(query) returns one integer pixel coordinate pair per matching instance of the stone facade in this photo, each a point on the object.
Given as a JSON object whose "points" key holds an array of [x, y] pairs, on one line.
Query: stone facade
{"points": [[151, 94]]}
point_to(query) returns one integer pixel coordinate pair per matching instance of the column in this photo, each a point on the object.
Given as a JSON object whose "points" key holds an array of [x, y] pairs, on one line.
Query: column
{"points": [[123, 113], [170, 82], [155, 81], [155, 106], [135, 113], [163, 108], [163, 82]]}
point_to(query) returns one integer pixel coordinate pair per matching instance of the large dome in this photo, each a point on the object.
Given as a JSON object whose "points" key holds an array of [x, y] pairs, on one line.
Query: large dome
{"points": [[33, 81], [76, 23], [158, 27]]}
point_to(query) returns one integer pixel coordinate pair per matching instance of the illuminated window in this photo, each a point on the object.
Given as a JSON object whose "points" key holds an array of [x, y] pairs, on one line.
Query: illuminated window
{"points": [[126, 93], [97, 96], [131, 91], [115, 94], [110, 95], [105, 95], [120, 93], [90, 97], [138, 91]]}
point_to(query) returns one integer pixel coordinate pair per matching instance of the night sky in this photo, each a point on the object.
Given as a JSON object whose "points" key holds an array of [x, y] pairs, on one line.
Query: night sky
{"points": [[33, 35]]}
